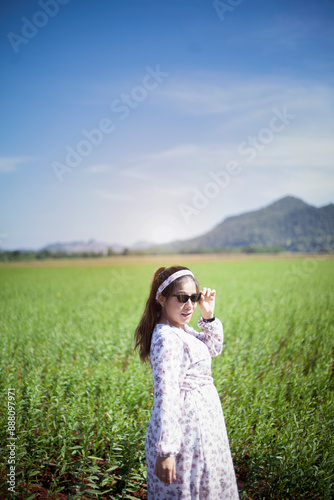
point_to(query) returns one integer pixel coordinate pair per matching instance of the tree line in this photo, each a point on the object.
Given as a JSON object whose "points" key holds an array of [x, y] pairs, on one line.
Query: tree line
{"points": [[25, 256]]}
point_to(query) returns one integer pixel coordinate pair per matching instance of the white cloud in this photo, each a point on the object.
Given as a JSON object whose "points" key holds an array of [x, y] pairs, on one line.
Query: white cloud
{"points": [[235, 104], [135, 173], [300, 152], [282, 32], [113, 196], [8, 164], [233, 111], [177, 152], [97, 169], [301, 165]]}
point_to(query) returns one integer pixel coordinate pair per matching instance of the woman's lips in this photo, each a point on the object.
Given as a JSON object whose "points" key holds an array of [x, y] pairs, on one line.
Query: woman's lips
{"points": [[187, 314]]}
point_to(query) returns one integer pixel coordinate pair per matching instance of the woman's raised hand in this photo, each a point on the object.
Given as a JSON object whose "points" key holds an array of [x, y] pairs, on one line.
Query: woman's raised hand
{"points": [[207, 302], [165, 469]]}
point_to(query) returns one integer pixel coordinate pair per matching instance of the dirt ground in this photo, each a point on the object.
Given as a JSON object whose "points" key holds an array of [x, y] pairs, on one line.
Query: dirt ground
{"points": [[164, 260]]}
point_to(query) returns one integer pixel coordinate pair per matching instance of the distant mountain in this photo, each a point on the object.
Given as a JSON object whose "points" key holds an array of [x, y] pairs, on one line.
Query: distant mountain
{"points": [[141, 245], [82, 246], [288, 223], [93, 246]]}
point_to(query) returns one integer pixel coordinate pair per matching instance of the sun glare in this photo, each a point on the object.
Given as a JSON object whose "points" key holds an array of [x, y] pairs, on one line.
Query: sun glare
{"points": [[162, 234]]}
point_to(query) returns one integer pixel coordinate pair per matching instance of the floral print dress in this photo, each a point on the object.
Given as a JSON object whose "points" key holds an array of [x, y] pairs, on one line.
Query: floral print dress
{"points": [[187, 420]]}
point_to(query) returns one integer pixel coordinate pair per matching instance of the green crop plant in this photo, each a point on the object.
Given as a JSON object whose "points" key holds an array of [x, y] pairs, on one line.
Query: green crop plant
{"points": [[83, 398]]}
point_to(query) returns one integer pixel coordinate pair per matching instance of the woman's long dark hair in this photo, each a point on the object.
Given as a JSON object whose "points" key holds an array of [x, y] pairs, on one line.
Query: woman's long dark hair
{"points": [[152, 312]]}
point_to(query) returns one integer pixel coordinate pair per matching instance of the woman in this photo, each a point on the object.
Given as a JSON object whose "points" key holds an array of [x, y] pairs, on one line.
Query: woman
{"points": [[187, 450]]}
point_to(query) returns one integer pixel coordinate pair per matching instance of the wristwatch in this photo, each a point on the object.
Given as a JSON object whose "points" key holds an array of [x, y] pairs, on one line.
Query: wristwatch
{"points": [[209, 320]]}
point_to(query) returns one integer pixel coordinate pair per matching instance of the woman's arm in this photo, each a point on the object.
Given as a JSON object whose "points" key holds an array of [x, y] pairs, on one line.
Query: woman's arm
{"points": [[212, 336], [213, 329], [168, 363]]}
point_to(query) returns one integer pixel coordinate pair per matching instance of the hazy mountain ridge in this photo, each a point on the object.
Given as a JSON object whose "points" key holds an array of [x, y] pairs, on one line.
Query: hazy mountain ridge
{"points": [[93, 246], [82, 246], [289, 223]]}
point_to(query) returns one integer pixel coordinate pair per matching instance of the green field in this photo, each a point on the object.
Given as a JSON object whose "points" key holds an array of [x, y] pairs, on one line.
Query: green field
{"points": [[83, 399]]}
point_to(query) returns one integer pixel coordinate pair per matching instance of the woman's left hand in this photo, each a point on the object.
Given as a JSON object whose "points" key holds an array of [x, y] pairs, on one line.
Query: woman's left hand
{"points": [[165, 469], [207, 303]]}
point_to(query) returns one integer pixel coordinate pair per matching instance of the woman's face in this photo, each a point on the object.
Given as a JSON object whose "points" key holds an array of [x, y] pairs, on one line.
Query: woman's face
{"points": [[174, 312]]}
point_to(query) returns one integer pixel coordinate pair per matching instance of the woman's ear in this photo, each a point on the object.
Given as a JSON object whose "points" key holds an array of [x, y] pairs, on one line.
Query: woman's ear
{"points": [[161, 300]]}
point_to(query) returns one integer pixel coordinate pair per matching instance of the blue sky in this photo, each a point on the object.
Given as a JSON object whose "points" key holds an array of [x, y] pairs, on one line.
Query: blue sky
{"points": [[130, 120]]}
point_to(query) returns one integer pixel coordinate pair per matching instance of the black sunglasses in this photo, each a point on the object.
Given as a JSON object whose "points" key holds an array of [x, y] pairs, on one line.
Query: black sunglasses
{"points": [[183, 298]]}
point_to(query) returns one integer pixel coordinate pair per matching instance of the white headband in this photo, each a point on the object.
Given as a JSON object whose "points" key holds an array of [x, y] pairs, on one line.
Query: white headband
{"points": [[171, 278]]}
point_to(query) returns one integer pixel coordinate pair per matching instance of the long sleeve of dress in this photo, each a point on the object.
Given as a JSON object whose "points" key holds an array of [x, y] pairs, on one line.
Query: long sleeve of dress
{"points": [[167, 359], [212, 335]]}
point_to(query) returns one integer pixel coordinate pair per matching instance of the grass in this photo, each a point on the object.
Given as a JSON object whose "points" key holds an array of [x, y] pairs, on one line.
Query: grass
{"points": [[83, 399]]}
